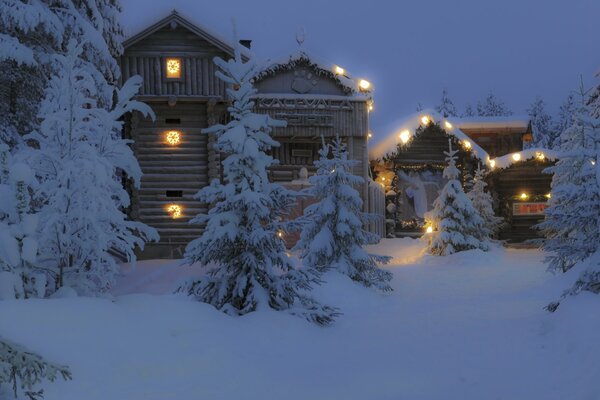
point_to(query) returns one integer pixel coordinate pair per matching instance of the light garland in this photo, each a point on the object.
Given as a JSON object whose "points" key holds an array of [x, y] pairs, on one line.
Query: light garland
{"points": [[173, 138], [173, 67], [175, 210]]}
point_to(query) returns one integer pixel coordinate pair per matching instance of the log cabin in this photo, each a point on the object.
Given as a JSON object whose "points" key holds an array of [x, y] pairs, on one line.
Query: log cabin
{"points": [[409, 162], [175, 59]]}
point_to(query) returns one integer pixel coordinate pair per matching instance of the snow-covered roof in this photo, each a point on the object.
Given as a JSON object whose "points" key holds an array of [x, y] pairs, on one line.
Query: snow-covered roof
{"points": [[523, 155], [411, 123], [333, 71], [174, 17], [406, 128]]}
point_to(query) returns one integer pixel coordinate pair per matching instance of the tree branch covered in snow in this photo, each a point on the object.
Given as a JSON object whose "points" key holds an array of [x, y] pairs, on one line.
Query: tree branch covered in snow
{"points": [[24, 370]]}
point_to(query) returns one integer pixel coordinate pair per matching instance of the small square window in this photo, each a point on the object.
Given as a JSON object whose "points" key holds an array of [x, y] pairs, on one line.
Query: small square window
{"points": [[173, 67]]}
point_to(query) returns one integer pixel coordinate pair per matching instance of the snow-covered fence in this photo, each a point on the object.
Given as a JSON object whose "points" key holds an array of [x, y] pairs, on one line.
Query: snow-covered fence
{"points": [[376, 207]]}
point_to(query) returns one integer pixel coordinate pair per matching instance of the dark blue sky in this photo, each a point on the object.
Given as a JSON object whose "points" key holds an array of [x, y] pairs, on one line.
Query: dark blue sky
{"points": [[410, 50]]}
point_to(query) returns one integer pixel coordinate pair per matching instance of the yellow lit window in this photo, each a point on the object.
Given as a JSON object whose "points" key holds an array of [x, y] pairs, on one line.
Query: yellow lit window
{"points": [[175, 210], [173, 138], [173, 66]]}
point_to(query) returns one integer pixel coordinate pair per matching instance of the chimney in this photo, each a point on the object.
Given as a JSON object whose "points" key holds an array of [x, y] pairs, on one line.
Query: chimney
{"points": [[246, 43]]}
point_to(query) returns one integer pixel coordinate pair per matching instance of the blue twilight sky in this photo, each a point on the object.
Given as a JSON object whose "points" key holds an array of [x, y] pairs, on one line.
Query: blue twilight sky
{"points": [[410, 50]]}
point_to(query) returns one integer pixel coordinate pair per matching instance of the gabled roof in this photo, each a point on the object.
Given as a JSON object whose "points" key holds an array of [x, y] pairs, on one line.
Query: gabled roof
{"points": [[174, 17], [349, 85]]}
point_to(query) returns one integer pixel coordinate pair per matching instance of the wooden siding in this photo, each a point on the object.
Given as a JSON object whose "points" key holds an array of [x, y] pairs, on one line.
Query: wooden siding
{"points": [[526, 177], [183, 167], [147, 59], [315, 117], [311, 83]]}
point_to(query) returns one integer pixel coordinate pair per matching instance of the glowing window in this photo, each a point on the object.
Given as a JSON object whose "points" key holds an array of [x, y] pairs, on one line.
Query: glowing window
{"points": [[173, 66], [173, 138]]}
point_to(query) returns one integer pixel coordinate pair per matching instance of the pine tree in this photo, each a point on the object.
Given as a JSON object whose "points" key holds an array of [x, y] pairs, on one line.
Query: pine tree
{"points": [[18, 232], [22, 370], [419, 107], [564, 120], [571, 224], [79, 157], [544, 135], [243, 229], [469, 112], [333, 236], [446, 107], [491, 106], [456, 224], [482, 202]]}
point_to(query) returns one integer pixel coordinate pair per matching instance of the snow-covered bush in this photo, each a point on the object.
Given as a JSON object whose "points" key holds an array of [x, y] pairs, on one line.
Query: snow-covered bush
{"points": [[23, 370], [491, 106], [482, 202], [18, 232], [333, 235], [243, 229], [79, 157], [456, 224]]}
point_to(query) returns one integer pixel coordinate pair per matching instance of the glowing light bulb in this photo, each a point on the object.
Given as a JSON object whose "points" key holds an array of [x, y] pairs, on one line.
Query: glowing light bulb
{"points": [[524, 196], [540, 156], [369, 135], [516, 156], [364, 85], [429, 229], [405, 136], [280, 234], [549, 195], [467, 144], [593, 162], [492, 164], [425, 120], [339, 70], [448, 125]]}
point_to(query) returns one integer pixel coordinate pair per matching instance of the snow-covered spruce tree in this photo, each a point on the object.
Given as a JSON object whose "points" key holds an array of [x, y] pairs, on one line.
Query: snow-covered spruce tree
{"points": [[333, 236], [30, 33], [79, 156], [482, 202], [469, 112], [18, 232], [446, 107], [457, 226], [22, 370], [491, 106], [571, 223], [564, 119], [544, 134], [253, 269]]}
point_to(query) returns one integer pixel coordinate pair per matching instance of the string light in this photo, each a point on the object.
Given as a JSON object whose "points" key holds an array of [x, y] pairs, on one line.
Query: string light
{"points": [[369, 135], [549, 195], [175, 210], [364, 85], [339, 70], [492, 164], [405, 136], [280, 234], [429, 229], [540, 156], [467, 144], [516, 156], [448, 125], [593, 162], [425, 120], [524, 196]]}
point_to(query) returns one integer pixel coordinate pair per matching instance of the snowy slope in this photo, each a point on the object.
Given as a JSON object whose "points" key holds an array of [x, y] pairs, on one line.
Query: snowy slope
{"points": [[467, 326]]}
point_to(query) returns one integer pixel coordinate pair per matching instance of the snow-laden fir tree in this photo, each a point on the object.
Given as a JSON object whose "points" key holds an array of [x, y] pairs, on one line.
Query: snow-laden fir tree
{"points": [[30, 33], [21, 371], [469, 112], [79, 156], [564, 118], [18, 232], [482, 202], [544, 134], [491, 106], [243, 228], [456, 224], [446, 107], [333, 235], [572, 224]]}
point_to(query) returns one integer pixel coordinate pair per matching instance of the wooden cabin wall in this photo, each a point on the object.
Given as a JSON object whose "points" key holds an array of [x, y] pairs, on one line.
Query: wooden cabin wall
{"points": [[147, 59], [525, 177]]}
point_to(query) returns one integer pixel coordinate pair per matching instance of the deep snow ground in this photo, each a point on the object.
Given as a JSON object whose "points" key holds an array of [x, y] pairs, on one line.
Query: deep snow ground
{"points": [[468, 326]]}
